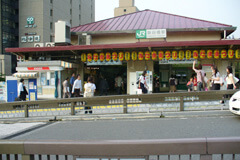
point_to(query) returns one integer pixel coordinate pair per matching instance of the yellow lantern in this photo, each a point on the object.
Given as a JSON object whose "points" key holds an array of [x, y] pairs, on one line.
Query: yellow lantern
{"points": [[121, 56], [83, 57], [209, 54], [181, 54], [127, 56], [108, 56], [237, 53], [230, 53], [188, 54], [223, 54], [154, 55], [167, 55], [202, 54], [89, 57], [195, 54], [134, 55], [160, 55], [147, 55], [101, 57], [140, 56], [216, 53], [95, 57], [114, 56], [174, 55]]}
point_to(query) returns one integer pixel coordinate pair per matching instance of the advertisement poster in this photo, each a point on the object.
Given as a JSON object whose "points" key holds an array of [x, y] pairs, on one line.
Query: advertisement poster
{"points": [[3, 95]]}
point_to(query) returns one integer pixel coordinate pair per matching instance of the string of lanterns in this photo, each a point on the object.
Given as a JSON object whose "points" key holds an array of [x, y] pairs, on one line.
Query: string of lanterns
{"points": [[160, 55]]}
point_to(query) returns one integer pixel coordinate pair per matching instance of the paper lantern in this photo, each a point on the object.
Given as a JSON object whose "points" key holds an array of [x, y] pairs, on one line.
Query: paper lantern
{"points": [[147, 55], [83, 57], [209, 54], [101, 57], [223, 54], [167, 55], [237, 53], [188, 54], [230, 54], [154, 55], [195, 54], [160, 55], [108, 56], [114, 56], [121, 56], [127, 56], [134, 55], [174, 55], [181, 54], [202, 54], [95, 57], [216, 53], [140, 56], [89, 57]]}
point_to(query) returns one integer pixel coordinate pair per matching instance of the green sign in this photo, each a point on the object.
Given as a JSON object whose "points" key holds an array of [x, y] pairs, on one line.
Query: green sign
{"points": [[141, 34], [30, 20]]}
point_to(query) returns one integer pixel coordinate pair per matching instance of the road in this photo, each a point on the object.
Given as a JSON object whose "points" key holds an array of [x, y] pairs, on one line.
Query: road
{"points": [[134, 129]]}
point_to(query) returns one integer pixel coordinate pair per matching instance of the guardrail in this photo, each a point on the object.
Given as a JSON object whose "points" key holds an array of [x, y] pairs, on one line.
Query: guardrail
{"points": [[124, 103], [194, 148]]}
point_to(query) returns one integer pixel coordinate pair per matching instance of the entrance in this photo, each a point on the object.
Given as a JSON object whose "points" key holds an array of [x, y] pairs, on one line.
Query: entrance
{"points": [[109, 73]]}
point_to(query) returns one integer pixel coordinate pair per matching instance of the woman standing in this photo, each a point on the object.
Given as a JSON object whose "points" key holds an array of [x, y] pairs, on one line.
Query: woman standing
{"points": [[22, 91], [89, 88], [142, 82], [215, 79], [229, 78]]}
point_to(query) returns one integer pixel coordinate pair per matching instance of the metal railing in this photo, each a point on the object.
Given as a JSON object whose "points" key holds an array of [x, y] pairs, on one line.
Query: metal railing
{"points": [[181, 101], [194, 148]]}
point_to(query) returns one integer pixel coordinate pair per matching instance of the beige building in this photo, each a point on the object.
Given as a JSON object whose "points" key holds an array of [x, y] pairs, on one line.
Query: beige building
{"points": [[37, 18], [125, 7]]}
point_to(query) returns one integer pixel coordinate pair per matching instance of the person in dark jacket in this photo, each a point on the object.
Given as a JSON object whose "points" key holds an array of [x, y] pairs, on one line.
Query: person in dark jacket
{"points": [[103, 86]]}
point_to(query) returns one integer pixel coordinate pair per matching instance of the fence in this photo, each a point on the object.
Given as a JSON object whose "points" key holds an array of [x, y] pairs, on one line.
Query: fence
{"points": [[192, 149], [181, 101]]}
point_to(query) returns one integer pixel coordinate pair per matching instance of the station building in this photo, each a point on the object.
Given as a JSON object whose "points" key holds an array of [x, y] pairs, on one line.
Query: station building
{"points": [[161, 43]]}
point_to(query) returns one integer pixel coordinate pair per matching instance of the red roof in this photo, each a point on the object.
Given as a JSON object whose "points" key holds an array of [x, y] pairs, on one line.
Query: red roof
{"points": [[148, 19], [138, 45]]}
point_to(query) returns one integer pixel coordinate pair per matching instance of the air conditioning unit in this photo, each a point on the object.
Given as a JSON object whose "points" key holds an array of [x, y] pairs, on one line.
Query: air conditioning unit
{"points": [[38, 44], [62, 32], [49, 44]]}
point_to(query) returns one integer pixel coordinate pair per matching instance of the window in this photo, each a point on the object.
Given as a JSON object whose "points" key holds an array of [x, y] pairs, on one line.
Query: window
{"points": [[70, 11], [51, 1], [125, 10], [51, 12], [51, 25]]}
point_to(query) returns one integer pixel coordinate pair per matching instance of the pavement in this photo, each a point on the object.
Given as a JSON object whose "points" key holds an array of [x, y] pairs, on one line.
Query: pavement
{"points": [[11, 127]]}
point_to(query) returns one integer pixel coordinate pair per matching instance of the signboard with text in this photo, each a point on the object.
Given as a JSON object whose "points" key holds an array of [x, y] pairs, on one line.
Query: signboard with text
{"points": [[151, 33]]}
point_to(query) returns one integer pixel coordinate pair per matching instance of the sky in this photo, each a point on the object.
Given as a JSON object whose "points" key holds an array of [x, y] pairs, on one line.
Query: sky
{"points": [[220, 11]]}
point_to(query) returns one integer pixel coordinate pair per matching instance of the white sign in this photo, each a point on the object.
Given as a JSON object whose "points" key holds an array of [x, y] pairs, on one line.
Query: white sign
{"points": [[156, 33], [99, 63], [177, 61]]}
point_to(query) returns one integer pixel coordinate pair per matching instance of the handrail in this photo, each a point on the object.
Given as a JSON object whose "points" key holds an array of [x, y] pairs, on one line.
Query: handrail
{"points": [[124, 100], [202, 146]]}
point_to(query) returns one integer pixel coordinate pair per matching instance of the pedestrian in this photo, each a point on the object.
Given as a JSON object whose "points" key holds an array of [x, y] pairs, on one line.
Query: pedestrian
{"points": [[230, 79], [118, 84], [200, 76], [89, 89], [77, 87], [190, 85], [205, 79], [215, 80], [103, 86], [72, 79], [195, 82], [22, 91], [172, 83], [66, 91], [156, 84], [142, 83]]}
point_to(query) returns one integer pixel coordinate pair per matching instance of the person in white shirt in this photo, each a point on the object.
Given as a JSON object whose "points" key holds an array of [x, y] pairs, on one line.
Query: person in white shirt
{"points": [[22, 92], [89, 88], [66, 91], [215, 79], [77, 87], [142, 83], [229, 78]]}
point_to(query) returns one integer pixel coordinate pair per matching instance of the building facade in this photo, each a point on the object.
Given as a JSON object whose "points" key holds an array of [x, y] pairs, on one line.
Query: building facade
{"points": [[125, 7], [37, 18], [9, 35]]}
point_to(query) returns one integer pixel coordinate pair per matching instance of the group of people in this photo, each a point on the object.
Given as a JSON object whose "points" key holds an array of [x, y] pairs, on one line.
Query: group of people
{"points": [[199, 81], [74, 89]]}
